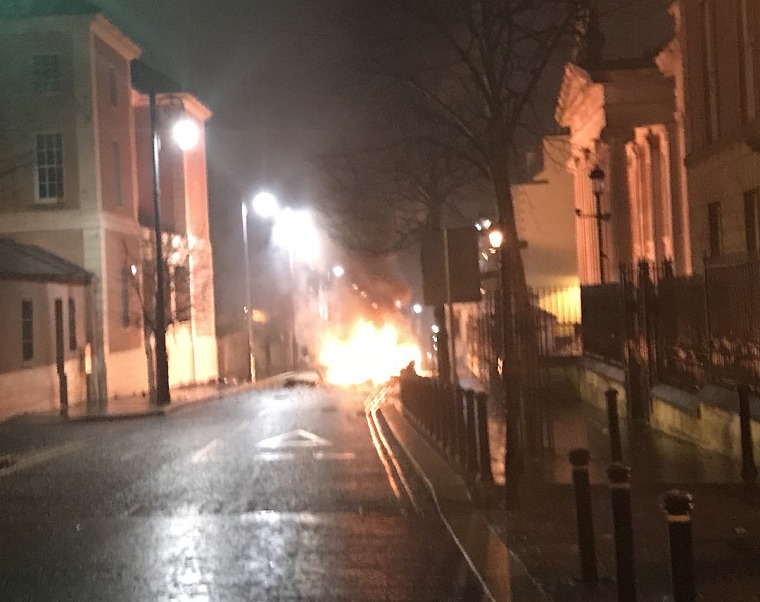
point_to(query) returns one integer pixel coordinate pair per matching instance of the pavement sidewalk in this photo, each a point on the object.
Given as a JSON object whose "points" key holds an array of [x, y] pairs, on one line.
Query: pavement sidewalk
{"points": [[538, 554], [138, 406], [726, 518], [502, 576]]}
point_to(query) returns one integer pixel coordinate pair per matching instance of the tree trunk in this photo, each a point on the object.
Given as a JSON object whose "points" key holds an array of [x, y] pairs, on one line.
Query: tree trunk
{"points": [[442, 354], [520, 360]]}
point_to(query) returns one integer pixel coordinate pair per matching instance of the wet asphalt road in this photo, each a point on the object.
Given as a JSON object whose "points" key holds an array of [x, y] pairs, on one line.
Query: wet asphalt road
{"points": [[268, 495]]}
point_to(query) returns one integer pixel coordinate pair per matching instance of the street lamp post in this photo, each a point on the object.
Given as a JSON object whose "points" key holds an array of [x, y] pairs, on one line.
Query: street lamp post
{"points": [[186, 134], [248, 313], [597, 185], [163, 395]]}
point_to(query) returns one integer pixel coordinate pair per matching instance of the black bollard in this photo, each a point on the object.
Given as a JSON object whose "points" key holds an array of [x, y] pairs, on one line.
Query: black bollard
{"points": [[622, 517], [471, 453], [579, 458], [613, 421], [484, 444], [678, 506], [749, 469]]}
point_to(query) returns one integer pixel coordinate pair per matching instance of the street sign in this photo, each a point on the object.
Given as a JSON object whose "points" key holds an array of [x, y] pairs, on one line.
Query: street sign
{"points": [[463, 273]]}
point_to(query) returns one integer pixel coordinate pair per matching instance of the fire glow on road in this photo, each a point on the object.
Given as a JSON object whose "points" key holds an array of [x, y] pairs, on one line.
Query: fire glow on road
{"points": [[368, 353]]}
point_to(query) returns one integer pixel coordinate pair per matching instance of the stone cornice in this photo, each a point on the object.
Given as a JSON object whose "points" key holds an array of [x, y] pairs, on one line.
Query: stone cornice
{"points": [[190, 103], [109, 33]]}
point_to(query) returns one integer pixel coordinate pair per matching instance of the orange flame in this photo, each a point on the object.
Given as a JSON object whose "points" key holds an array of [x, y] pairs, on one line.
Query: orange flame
{"points": [[368, 354]]}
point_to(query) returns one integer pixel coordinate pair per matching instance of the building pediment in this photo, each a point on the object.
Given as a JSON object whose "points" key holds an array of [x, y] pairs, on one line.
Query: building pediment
{"points": [[580, 105]]}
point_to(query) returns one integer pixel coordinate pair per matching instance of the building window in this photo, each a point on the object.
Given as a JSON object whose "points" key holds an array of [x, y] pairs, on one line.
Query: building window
{"points": [[182, 297], [72, 324], [112, 87], [715, 225], [751, 222], [49, 167], [124, 284], [27, 329], [710, 71], [46, 73], [710, 63], [117, 194], [746, 63]]}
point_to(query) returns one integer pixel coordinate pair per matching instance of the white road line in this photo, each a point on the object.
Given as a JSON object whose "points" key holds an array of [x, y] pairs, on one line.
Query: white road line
{"points": [[386, 466], [204, 451], [275, 456], [392, 456], [334, 456], [34, 458]]}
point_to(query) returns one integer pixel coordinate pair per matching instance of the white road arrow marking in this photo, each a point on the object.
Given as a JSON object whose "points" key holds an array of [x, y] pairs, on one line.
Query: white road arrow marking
{"points": [[297, 438]]}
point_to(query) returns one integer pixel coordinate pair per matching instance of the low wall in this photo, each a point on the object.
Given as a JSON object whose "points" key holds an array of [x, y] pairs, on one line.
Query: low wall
{"points": [[36, 389], [708, 419], [595, 378], [127, 372]]}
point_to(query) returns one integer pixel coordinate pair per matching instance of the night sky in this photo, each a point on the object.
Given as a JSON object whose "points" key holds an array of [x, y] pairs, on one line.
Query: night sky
{"points": [[277, 75]]}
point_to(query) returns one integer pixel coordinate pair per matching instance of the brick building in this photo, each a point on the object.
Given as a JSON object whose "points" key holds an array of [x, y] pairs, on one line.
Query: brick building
{"points": [[75, 180]]}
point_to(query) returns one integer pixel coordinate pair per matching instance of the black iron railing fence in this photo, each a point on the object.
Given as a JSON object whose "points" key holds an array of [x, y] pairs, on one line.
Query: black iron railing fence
{"points": [[603, 322], [686, 330]]}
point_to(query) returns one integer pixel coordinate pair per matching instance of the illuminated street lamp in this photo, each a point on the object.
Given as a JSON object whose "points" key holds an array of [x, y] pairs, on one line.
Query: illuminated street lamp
{"points": [[417, 308], [338, 271], [293, 230], [495, 238], [597, 177], [186, 135], [248, 309], [265, 205]]}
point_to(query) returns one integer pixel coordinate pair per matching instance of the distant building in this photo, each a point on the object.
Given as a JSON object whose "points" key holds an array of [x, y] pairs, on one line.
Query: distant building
{"points": [[625, 117], [545, 218], [75, 180]]}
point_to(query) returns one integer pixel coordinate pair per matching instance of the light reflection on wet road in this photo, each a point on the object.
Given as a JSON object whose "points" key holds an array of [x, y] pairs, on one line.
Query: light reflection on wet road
{"points": [[194, 507]]}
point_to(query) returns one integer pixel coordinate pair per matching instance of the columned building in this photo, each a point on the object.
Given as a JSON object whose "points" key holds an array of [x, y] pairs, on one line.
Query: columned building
{"points": [[623, 117]]}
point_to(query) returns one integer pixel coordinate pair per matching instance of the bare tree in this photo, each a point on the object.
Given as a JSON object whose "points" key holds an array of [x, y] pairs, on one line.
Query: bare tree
{"points": [[381, 196], [188, 283], [474, 67]]}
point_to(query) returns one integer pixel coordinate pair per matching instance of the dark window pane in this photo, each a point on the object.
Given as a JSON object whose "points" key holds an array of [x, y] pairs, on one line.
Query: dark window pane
{"points": [[27, 329], [715, 225], [72, 325]]}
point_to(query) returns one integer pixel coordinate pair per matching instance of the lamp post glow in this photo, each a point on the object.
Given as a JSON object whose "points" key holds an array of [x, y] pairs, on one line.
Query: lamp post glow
{"points": [[338, 271], [293, 230], [495, 239], [265, 205], [184, 135], [417, 308]]}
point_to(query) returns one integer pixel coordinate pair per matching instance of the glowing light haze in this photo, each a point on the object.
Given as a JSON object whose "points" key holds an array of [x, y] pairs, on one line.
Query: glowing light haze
{"points": [[295, 230], [186, 133]]}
